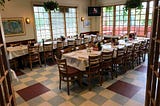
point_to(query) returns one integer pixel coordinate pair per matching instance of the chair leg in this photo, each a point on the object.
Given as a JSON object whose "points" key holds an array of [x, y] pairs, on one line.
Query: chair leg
{"points": [[45, 63], [80, 79], [68, 85], [40, 62], [30, 65], [60, 82], [89, 82], [100, 79]]}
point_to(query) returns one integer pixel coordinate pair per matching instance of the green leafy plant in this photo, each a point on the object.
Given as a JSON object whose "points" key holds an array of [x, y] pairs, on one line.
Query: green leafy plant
{"points": [[51, 5], [2, 2], [133, 4]]}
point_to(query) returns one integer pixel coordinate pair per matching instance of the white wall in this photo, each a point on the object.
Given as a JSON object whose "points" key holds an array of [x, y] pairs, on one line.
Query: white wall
{"points": [[23, 8]]}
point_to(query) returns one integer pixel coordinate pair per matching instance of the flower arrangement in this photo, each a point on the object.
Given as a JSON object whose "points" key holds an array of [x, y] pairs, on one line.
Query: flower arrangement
{"points": [[133, 4], [51, 5]]}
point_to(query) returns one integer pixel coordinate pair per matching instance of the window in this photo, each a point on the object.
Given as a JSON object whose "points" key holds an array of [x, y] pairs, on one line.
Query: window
{"points": [[137, 20], [64, 22], [42, 23], [71, 21], [121, 21], [58, 24], [134, 20], [150, 18], [108, 16]]}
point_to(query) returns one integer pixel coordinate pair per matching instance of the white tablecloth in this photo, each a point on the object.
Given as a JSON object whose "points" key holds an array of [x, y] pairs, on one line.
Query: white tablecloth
{"points": [[79, 59]]}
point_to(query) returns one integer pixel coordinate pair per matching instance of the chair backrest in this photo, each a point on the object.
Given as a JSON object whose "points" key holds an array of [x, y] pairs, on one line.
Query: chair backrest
{"points": [[62, 66], [47, 46], [60, 45], [78, 42], [71, 42], [94, 63], [136, 47], [129, 49], [32, 50], [147, 45], [85, 40], [120, 52], [93, 38], [107, 56]]}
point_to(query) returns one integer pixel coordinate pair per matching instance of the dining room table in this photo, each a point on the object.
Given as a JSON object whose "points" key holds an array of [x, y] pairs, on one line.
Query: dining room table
{"points": [[79, 58]]}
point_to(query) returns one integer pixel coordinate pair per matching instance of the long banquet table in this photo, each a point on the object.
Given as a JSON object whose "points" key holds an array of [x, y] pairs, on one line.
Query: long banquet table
{"points": [[79, 58]]}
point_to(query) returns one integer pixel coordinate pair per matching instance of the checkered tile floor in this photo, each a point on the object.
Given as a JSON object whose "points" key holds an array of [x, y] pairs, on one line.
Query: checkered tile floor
{"points": [[39, 87]]}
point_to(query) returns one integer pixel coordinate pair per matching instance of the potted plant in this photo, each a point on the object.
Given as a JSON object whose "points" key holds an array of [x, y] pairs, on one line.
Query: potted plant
{"points": [[133, 4], [51, 5], [2, 2]]}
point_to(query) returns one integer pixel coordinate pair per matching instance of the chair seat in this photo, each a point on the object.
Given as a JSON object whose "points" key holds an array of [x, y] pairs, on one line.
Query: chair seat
{"points": [[72, 70]]}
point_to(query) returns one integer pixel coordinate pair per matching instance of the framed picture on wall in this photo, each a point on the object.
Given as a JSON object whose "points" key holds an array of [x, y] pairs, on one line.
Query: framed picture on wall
{"points": [[87, 23], [13, 26]]}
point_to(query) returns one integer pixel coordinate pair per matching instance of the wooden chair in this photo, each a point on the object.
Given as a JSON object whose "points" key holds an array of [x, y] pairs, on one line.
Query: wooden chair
{"points": [[60, 45], [107, 62], [67, 73], [128, 57], [119, 59], [71, 43], [34, 55], [135, 54], [48, 51], [93, 70], [78, 42], [142, 51], [146, 49], [85, 40]]}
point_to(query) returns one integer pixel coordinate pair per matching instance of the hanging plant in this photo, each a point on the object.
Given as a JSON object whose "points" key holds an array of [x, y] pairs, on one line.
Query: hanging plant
{"points": [[133, 4], [2, 2], [50, 5]]}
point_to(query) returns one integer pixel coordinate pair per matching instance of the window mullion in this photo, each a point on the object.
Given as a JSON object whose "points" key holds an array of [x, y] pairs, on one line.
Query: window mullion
{"points": [[65, 30], [146, 21], [114, 19], [50, 22], [129, 20]]}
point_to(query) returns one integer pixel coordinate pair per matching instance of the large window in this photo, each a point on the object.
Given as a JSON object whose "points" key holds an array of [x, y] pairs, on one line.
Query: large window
{"points": [[64, 22], [117, 21], [108, 16], [150, 18], [121, 21], [71, 21], [42, 23], [137, 20]]}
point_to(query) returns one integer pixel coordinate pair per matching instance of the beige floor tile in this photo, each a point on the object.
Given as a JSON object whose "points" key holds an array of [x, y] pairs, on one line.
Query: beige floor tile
{"points": [[48, 95], [111, 103], [88, 94], [132, 103], [45, 104], [20, 86], [41, 79], [23, 104], [26, 79], [107, 93], [88, 103], [65, 95], [32, 73], [67, 104]]}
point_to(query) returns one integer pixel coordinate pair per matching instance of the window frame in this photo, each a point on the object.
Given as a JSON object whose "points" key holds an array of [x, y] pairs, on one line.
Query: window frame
{"points": [[129, 15]]}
